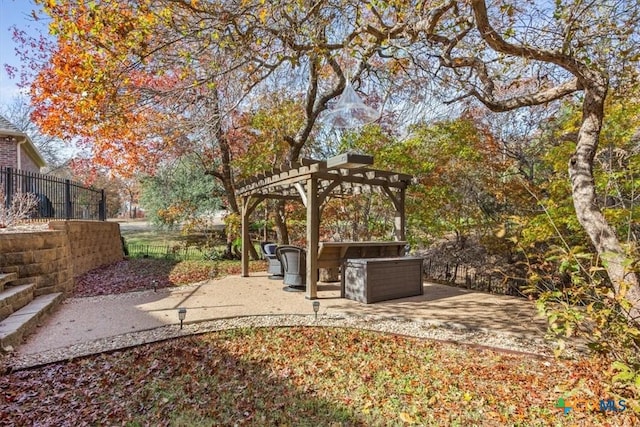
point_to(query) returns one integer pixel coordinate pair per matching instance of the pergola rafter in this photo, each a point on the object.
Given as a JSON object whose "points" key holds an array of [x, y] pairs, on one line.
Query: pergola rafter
{"points": [[312, 182]]}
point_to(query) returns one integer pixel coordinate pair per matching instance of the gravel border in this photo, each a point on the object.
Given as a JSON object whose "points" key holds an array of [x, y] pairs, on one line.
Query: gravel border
{"points": [[435, 330]]}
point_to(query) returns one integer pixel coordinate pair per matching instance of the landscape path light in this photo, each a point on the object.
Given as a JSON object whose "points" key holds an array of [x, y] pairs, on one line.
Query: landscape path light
{"points": [[316, 308], [182, 313]]}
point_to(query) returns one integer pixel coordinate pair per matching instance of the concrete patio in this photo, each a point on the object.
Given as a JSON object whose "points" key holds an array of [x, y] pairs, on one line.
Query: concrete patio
{"points": [[80, 320]]}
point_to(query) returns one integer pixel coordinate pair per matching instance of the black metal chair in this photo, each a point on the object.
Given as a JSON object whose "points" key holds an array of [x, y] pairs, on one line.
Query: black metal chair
{"points": [[294, 265], [274, 267]]}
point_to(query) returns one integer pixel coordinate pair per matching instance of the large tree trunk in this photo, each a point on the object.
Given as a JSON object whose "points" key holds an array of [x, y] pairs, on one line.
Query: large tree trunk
{"points": [[588, 212], [282, 232], [225, 176], [595, 86]]}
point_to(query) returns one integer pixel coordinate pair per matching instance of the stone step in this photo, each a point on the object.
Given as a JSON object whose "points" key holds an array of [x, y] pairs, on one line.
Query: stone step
{"points": [[7, 278], [18, 325], [13, 298]]}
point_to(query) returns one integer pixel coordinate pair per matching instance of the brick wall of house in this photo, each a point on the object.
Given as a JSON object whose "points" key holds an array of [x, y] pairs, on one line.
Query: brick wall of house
{"points": [[7, 152], [27, 164], [9, 158]]}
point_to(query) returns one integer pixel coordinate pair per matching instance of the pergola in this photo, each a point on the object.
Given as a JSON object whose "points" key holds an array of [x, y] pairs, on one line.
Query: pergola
{"points": [[312, 182]]}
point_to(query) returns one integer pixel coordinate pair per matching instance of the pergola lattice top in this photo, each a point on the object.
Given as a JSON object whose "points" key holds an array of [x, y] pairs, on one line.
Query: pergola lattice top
{"points": [[313, 181], [281, 183]]}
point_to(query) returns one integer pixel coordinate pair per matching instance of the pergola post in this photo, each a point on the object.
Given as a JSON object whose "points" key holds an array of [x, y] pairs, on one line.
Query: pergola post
{"points": [[248, 206], [399, 221], [313, 235], [246, 239]]}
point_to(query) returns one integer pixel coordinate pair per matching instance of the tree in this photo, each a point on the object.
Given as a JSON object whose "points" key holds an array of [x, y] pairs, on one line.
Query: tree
{"points": [[561, 50], [179, 193], [129, 194], [459, 170]]}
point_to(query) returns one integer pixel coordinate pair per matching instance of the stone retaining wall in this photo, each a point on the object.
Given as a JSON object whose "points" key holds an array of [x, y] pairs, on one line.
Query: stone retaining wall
{"points": [[51, 259], [93, 243]]}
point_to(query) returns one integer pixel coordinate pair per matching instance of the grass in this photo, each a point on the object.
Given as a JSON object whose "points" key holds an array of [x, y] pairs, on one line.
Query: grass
{"points": [[157, 243], [305, 376], [153, 237]]}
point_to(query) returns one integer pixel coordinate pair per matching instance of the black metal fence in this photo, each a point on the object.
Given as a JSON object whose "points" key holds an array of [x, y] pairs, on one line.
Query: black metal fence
{"points": [[182, 253], [57, 198], [468, 277]]}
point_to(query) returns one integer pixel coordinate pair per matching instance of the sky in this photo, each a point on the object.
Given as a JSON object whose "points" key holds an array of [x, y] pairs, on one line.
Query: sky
{"points": [[18, 13], [14, 12]]}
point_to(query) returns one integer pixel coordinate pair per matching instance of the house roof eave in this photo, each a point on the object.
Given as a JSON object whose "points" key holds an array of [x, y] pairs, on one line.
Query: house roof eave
{"points": [[8, 129]]}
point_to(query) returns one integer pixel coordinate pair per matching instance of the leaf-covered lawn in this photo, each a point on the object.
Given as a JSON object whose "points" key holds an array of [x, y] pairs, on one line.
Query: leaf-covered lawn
{"points": [[304, 377], [296, 376], [138, 274]]}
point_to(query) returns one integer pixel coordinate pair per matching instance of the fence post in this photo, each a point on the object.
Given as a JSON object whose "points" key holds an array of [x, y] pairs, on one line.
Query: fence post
{"points": [[8, 193], [67, 199], [102, 207]]}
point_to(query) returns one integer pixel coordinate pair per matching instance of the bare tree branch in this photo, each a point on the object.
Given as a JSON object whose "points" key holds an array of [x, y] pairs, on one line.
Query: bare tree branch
{"points": [[536, 98]]}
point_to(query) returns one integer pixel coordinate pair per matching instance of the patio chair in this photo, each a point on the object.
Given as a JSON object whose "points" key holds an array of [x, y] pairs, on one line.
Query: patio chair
{"points": [[274, 267], [294, 265]]}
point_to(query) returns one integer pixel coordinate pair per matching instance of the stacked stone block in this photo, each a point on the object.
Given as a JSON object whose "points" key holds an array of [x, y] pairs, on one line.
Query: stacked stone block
{"points": [[41, 258], [38, 269], [92, 243], [51, 259]]}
